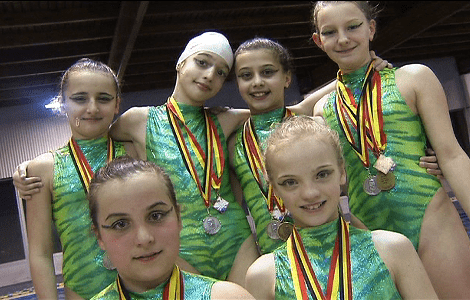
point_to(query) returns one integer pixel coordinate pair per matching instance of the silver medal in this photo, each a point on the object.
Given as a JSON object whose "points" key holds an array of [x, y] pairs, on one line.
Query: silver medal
{"points": [[370, 186], [272, 229], [211, 225], [221, 204]]}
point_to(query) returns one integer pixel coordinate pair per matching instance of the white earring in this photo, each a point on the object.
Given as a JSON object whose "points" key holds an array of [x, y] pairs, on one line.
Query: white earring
{"points": [[77, 122]]}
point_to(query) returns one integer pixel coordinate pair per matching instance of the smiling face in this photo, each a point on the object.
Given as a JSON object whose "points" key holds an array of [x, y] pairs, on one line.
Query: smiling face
{"points": [[305, 173], [90, 98], [200, 77], [344, 33], [261, 80], [138, 227]]}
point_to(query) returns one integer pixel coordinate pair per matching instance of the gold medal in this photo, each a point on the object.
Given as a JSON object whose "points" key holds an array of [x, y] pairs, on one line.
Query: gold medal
{"points": [[385, 182], [284, 230]]}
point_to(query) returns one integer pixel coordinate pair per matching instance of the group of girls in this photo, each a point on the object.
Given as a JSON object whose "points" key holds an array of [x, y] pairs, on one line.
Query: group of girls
{"points": [[163, 248]]}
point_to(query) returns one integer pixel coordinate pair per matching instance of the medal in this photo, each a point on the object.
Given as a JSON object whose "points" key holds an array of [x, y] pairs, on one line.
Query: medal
{"points": [[272, 229], [284, 230], [211, 225], [212, 161], [370, 185], [384, 164], [385, 182], [221, 204]]}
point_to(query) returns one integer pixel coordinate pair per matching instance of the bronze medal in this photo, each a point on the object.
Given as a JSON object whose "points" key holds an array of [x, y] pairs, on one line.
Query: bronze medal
{"points": [[272, 228], [284, 231], [370, 185], [211, 225], [385, 182]]}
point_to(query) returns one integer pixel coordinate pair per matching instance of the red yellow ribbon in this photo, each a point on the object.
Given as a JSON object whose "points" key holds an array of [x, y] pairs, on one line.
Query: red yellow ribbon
{"points": [[256, 163], [173, 290], [214, 151], [339, 278], [365, 116], [81, 163]]}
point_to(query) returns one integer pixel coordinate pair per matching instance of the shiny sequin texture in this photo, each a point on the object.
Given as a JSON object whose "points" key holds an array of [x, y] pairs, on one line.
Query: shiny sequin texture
{"points": [[370, 277], [83, 269], [402, 208]]}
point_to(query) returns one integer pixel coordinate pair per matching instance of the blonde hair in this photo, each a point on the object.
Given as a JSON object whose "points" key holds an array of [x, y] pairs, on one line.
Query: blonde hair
{"points": [[295, 128]]}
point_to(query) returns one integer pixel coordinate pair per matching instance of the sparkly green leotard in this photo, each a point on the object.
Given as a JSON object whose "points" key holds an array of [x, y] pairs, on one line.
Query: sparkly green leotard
{"points": [[370, 276], [402, 208], [212, 255], [196, 287], [254, 197], [82, 268]]}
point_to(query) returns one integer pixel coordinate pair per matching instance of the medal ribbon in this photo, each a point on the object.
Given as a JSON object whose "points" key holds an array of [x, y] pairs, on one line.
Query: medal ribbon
{"points": [[173, 290], [214, 150], [81, 163], [339, 278], [365, 117], [256, 163]]}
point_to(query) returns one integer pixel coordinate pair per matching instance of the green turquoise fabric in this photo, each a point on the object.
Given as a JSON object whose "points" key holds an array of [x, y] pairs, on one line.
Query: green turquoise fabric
{"points": [[371, 278], [211, 255], [196, 287], [82, 270], [255, 200], [402, 208]]}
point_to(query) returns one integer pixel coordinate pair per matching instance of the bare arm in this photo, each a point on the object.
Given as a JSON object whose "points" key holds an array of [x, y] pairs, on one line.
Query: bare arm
{"points": [[39, 222], [425, 95], [306, 106], [225, 290], [404, 264], [261, 278], [131, 126], [231, 119]]}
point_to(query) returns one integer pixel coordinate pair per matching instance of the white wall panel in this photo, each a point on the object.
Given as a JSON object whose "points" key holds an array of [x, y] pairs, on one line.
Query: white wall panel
{"points": [[25, 140]]}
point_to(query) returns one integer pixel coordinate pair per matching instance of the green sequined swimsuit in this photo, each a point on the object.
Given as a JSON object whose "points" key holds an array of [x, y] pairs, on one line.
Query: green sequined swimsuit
{"points": [[370, 276], [254, 197], [402, 208], [82, 268], [196, 287], [212, 255]]}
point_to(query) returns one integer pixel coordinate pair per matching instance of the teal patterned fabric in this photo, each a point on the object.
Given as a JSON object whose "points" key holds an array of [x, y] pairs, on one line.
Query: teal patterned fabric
{"points": [[371, 278], [196, 287], [83, 269], [211, 255], [252, 194], [402, 208]]}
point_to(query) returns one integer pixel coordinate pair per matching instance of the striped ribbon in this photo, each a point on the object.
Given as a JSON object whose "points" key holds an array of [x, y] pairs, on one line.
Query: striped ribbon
{"points": [[214, 151], [256, 163], [173, 290], [365, 116], [339, 278], [81, 163]]}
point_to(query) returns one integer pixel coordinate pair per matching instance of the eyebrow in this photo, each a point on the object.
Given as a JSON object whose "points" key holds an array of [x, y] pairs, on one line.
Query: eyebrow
{"points": [[150, 207]]}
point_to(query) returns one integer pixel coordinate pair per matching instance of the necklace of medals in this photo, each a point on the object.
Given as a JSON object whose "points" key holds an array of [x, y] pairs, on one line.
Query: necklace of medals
{"points": [[212, 174], [276, 229], [366, 117], [173, 290], [339, 277], [85, 173]]}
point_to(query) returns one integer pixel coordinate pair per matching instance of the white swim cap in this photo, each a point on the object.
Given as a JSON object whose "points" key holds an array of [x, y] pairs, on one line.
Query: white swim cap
{"points": [[212, 42]]}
